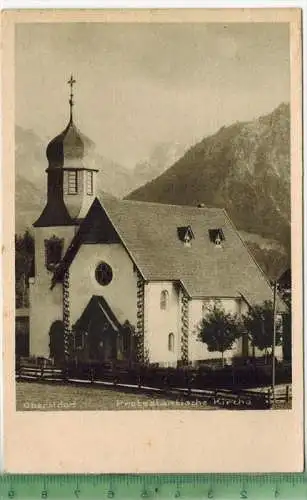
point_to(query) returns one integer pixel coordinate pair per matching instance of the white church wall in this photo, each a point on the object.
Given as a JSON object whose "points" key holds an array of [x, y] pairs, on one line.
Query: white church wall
{"points": [[198, 350], [45, 308], [120, 293], [46, 305], [278, 352], [159, 323]]}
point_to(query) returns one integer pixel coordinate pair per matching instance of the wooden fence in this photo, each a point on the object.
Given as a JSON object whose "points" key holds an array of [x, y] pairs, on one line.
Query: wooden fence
{"points": [[159, 382]]}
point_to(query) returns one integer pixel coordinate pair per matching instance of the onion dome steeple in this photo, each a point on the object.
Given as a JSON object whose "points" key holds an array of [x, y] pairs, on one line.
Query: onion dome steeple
{"points": [[68, 148], [68, 175]]}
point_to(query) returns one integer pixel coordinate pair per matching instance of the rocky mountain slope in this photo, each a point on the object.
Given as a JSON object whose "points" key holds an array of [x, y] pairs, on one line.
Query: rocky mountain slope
{"points": [[244, 168], [162, 156]]}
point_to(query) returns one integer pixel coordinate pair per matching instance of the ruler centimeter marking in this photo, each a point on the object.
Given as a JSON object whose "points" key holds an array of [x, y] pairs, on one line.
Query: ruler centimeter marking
{"points": [[154, 486]]}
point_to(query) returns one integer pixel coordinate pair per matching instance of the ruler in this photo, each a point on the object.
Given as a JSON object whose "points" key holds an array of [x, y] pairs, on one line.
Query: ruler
{"points": [[160, 487]]}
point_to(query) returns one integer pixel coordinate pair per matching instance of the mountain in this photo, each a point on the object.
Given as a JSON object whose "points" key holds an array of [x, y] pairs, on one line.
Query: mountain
{"points": [[244, 168], [161, 157]]}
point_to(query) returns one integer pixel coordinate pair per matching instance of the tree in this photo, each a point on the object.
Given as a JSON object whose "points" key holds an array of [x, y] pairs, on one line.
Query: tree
{"points": [[258, 323], [24, 257], [219, 329], [287, 335]]}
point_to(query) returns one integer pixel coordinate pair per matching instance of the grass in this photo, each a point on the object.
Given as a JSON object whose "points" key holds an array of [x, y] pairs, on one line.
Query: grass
{"points": [[59, 397]]}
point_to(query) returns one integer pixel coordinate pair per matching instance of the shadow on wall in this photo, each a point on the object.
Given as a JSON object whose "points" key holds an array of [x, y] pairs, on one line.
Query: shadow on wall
{"points": [[56, 344]]}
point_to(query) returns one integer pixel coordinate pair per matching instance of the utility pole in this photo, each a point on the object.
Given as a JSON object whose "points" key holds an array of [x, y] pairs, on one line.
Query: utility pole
{"points": [[274, 339]]}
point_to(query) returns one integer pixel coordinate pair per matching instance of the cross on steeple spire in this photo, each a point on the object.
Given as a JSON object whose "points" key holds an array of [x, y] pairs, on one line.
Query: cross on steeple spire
{"points": [[71, 83]]}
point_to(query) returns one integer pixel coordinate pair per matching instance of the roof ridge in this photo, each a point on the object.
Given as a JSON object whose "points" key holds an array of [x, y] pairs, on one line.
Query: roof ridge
{"points": [[143, 202]]}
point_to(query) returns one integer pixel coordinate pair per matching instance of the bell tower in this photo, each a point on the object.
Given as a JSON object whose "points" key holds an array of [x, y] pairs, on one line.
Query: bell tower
{"points": [[71, 184]]}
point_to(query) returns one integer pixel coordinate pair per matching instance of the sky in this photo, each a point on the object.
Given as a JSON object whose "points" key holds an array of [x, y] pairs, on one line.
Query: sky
{"points": [[142, 84]]}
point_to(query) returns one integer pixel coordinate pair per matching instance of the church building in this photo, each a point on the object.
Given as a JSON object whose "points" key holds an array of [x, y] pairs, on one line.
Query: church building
{"points": [[117, 279]]}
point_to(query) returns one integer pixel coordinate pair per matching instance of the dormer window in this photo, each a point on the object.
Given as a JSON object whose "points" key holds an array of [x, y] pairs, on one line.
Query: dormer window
{"points": [[53, 252], [185, 234], [217, 237]]}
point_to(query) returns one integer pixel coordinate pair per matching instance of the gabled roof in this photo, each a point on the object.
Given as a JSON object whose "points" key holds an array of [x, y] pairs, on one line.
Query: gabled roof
{"points": [[98, 311], [148, 231]]}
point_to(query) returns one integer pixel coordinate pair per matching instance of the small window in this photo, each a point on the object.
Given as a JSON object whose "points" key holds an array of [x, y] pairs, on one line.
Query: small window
{"points": [[171, 342], [70, 182], [218, 241], [89, 183], [103, 274], [53, 252], [164, 300]]}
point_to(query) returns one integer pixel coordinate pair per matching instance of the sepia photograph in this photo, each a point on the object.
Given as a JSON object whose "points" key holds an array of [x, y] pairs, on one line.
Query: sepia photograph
{"points": [[153, 240], [152, 198]]}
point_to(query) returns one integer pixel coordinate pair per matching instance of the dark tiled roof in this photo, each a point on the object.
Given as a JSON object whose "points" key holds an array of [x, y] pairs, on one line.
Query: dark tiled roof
{"points": [[98, 311], [55, 213], [68, 148], [149, 233], [285, 279]]}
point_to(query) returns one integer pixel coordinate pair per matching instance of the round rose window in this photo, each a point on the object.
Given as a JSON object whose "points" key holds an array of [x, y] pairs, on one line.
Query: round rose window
{"points": [[103, 274]]}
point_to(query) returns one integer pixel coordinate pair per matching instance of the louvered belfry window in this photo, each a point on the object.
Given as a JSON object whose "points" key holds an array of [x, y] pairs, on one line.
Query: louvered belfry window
{"points": [[70, 182], [89, 183]]}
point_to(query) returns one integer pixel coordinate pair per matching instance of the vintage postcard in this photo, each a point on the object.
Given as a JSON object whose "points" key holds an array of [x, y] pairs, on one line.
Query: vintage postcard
{"points": [[152, 188]]}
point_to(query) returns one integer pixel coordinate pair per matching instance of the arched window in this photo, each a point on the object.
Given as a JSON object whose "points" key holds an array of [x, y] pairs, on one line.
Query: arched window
{"points": [[164, 300], [171, 342]]}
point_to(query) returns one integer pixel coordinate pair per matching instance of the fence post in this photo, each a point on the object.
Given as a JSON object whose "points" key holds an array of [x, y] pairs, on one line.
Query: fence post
{"points": [[287, 394], [269, 398], [65, 373]]}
